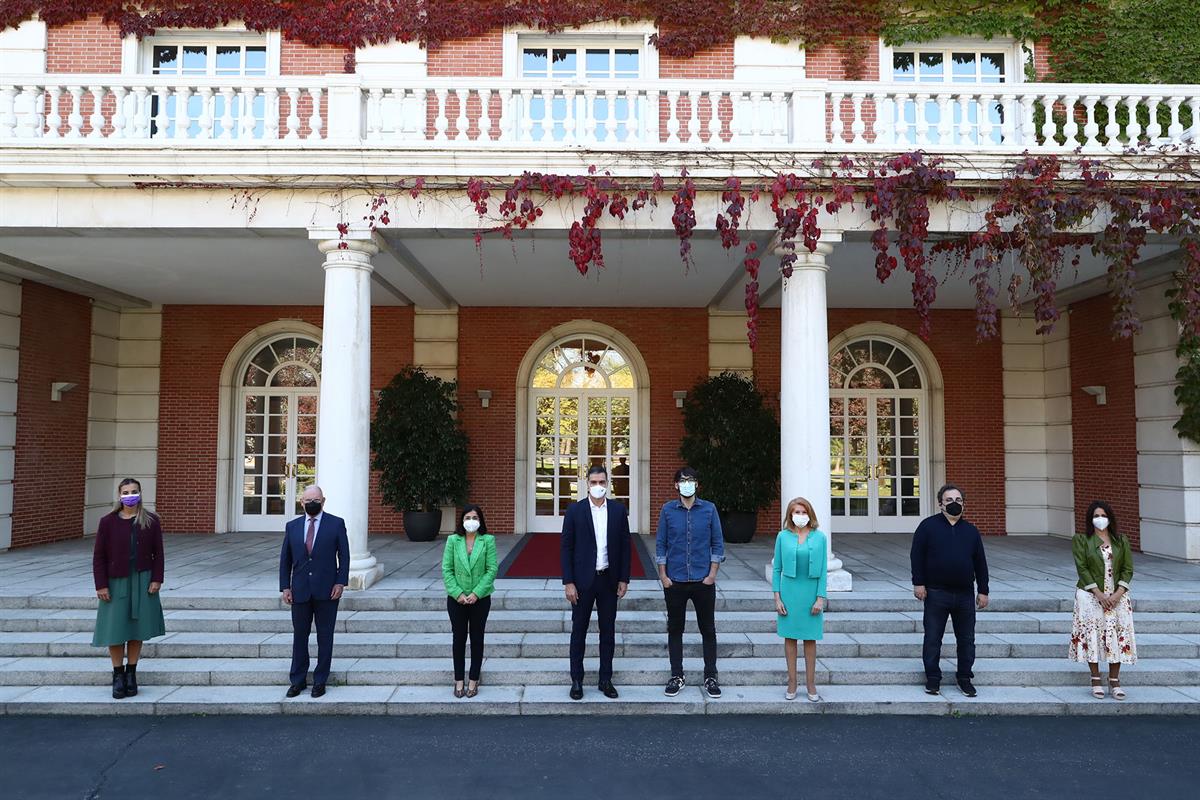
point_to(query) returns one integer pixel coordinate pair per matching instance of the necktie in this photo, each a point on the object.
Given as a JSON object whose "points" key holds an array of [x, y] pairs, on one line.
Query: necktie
{"points": [[312, 534]]}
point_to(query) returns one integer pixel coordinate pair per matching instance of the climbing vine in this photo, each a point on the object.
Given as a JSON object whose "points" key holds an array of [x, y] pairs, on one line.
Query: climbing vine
{"points": [[1035, 224]]}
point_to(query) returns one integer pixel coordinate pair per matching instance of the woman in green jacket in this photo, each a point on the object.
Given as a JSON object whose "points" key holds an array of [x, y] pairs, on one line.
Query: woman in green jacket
{"points": [[1103, 621], [469, 571]]}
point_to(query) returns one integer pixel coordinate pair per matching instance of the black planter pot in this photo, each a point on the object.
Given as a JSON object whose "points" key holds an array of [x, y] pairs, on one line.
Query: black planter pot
{"points": [[738, 526], [422, 526]]}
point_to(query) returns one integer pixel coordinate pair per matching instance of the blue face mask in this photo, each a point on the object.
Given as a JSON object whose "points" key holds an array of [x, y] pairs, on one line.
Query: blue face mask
{"points": [[130, 500]]}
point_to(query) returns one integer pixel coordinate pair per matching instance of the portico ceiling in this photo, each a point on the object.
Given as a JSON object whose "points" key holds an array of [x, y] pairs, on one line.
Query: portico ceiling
{"points": [[431, 267]]}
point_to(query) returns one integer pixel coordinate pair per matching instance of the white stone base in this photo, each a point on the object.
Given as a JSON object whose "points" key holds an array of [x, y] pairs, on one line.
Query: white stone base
{"points": [[839, 580], [362, 578]]}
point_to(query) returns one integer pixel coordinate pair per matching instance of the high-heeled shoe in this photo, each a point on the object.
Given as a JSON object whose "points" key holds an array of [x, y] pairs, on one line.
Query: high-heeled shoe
{"points": [[789, 695], [459, 691], [1114, 685], [1097, 689], [813, 697], [473, 690]]}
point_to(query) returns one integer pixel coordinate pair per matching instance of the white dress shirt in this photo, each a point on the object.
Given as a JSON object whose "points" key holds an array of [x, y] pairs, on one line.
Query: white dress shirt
{"points": [[600, 528]]}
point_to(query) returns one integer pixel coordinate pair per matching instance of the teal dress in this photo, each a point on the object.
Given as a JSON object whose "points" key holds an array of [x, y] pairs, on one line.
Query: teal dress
{"points": [[798, 574], [133, 614]]}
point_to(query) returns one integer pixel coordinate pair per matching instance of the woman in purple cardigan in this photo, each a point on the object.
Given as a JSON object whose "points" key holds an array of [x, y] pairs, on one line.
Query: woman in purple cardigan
{"points": [[128, 567]]}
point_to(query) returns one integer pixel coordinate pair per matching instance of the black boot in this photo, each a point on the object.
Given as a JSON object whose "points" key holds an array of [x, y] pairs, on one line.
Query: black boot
{"points": [[118, 683], [130, 680]]}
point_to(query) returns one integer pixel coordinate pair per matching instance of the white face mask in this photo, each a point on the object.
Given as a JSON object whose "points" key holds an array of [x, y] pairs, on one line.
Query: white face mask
{"points": [[470, 525], [687, 488], [597, 491], [800, 519], [1100, 523]]}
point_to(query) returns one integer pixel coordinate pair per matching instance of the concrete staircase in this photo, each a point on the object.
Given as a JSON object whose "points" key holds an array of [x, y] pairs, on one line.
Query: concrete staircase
{"points": [[230, 654]]}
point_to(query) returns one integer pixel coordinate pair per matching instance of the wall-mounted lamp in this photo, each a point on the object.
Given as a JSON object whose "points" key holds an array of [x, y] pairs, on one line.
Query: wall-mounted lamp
{"points": [[58, 387], [679, 398], [484, 395], [1098, 392]]}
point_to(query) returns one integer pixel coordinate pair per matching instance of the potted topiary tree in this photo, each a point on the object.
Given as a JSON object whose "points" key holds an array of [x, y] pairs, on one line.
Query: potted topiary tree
{"points": [[420, 450], [731, 439]]}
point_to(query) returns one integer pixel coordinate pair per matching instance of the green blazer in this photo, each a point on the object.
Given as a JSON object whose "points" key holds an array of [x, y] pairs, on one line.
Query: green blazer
{"points": [[469, 574], [1089, 563]]}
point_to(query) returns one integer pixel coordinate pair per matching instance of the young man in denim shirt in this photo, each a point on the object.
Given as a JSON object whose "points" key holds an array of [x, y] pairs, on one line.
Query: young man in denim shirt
{"points": [[689, 549]]}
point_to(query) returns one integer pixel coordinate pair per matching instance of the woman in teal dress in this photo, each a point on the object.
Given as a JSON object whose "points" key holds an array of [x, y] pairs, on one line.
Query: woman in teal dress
{"points": [[127, 565], [798, 580]]}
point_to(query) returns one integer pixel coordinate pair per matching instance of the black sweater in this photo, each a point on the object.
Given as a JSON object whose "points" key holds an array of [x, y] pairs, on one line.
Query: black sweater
{"points": [[946, 556]]}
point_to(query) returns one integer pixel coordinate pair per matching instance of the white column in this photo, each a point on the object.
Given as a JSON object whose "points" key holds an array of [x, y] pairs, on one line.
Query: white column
{"points": [[804, 392], [344, 420]]}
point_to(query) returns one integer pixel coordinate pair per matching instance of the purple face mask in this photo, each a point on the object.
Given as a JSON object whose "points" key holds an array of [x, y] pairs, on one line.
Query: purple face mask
{"points": [[130, 500]]}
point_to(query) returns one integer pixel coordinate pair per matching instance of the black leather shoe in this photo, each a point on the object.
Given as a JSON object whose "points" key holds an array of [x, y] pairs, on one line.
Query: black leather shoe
{"points": [[296, 688], [118, 683], [318, 690], [576, 690], [609, 691], [131, 680]]}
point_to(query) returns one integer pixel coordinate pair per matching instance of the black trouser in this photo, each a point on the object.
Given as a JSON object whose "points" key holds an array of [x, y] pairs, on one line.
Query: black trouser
{"points": [[468, 618], [324, 612], [602, 595], [959, 606], [704, 600]]}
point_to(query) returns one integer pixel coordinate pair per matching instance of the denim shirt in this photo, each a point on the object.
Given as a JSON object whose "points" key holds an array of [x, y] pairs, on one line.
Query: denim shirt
{"points": [[689, 541]]}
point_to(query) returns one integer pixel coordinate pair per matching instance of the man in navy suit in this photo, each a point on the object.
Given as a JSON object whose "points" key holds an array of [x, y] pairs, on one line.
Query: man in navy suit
{"points": [[595, 572], [314, 568]]}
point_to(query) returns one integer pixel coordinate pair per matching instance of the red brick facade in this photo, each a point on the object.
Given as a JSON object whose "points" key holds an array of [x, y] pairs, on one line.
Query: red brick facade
{"points": [[196, 340], [51, 440], [974, 399], [1103, 438], [85, 46], [478, 56], [492, 342]]}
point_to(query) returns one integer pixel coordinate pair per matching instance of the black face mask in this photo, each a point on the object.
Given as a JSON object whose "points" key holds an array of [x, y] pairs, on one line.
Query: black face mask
{"points": [[312, 507], [954, 509]]}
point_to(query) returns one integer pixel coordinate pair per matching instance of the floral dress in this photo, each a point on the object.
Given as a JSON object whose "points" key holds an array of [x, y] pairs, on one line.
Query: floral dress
{"points": [[1099, 636]]}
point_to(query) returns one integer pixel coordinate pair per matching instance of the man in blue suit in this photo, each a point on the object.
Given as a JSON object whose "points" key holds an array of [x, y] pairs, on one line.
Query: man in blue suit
{"points": [[314, 568], [595, 572]]}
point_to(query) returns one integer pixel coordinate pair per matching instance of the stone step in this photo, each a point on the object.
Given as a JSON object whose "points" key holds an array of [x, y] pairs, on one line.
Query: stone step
{"points": [[556, 645], [746, 671], [757, 598], [504, 621], [168, 699]]}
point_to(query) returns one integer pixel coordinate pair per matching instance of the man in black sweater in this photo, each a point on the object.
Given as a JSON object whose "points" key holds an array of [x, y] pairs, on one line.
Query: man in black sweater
{"points": [[948, 563]]}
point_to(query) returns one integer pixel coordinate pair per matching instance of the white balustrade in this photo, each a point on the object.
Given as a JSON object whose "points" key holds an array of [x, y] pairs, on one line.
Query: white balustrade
{"points": [[469, 113]]}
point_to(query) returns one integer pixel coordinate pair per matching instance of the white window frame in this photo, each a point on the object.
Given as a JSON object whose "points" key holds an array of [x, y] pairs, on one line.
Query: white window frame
{"points": [[606, 34], [137, 57], [1015, 55]]}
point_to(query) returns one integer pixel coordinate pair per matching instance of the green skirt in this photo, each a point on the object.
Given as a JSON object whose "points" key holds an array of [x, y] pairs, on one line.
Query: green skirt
{"points": [[133, 614]]}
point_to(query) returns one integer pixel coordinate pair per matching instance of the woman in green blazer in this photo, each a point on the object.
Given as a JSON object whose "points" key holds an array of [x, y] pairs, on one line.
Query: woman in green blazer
{"points": [[469, 571], [1102, 628]]}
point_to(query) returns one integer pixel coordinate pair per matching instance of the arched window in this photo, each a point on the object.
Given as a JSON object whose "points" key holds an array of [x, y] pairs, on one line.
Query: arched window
{"points": [[583, 363], [872, 364], [290, 362]]}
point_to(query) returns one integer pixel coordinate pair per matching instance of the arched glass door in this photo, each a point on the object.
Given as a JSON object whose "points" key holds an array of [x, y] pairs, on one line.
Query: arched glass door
{"points": [[278, 425], [877, 461], [582, 404]]}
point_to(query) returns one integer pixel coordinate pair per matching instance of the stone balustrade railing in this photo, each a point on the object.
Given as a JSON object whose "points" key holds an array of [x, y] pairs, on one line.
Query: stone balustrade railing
{"points": [[449, 113]]}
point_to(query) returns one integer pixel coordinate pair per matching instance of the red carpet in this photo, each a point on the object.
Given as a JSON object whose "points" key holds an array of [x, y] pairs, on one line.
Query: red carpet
{"points": [[538, 557]]}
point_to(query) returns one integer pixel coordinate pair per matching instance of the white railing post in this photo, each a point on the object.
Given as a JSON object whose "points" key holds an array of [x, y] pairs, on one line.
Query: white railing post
{"points": [[344, 109], [315, 121], [8, 119], [96, 120], [1133, 131], [1091, 128], [1154, 129], [54, 119], [1112, 128]]}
